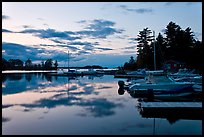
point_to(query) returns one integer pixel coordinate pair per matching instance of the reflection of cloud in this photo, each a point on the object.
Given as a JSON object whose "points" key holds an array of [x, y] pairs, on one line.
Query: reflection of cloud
{"points": [[104, 87], [99, 107], [80, 93], [127, 126], [4, 17], [6, 106], [5, 119]]}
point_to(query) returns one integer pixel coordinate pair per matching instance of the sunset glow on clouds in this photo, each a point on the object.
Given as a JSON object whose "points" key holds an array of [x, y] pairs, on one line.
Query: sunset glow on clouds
{"points": [[95, 33]]}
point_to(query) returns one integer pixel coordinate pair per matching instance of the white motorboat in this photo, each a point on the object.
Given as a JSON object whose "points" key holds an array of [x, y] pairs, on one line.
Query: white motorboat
{"points": [[156, 88], [170, 86], [89, 72]]}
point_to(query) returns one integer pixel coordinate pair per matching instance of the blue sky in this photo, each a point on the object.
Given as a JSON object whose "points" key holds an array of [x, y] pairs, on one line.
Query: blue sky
{"points": [[94, 33]]}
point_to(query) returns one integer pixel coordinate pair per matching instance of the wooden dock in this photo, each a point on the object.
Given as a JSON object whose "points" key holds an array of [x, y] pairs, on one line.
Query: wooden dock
{"points": [[171, 105], [129, 76], [172, 111]]}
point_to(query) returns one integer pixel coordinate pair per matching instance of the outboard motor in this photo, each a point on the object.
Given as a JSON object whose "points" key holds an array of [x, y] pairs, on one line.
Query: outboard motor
{"points": [[121, 90]]}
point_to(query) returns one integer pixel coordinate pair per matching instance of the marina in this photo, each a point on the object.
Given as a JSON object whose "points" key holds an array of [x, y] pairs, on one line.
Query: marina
{"points": [[88, 68], [95, 100]]}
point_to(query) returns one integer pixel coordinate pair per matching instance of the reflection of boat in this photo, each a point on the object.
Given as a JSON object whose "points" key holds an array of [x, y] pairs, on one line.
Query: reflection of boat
{"points": [[172, 111]]}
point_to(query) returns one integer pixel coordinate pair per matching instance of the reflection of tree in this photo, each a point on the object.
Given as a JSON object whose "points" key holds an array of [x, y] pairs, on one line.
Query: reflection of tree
{"points": [[28, 77], [4, 77], [48, 77], [39, 74], [15, 76]]}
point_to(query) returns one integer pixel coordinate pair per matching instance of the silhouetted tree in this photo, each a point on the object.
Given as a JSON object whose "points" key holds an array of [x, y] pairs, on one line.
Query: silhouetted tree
{"points": [[144, 57], [160, 46], [55, 64], [48, 64], [15, 63], [28, 64]]}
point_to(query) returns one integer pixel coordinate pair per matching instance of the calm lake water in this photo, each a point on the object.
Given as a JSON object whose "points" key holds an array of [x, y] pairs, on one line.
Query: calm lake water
{"points": [[39, 104]]}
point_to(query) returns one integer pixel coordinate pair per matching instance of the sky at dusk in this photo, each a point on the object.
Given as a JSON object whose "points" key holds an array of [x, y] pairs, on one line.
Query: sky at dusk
{"points": [[94, 33]]}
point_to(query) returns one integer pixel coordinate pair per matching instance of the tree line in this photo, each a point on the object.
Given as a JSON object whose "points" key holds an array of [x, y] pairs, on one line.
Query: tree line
{"points": [[17, 64], [177, 44]]}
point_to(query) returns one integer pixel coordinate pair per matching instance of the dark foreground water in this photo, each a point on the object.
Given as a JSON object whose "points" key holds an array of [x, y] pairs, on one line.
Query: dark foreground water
{"points": [[39, 104]]}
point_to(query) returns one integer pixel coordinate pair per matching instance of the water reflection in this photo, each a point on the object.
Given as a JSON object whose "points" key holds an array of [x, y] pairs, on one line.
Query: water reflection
{"points": [[41, 104], [28, 77], [53, 91]]}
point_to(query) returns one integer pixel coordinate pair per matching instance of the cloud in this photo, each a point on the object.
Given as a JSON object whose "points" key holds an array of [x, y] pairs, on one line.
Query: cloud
{"points": [[104, 48], [186, 3], [4, 17], [87, 46], [5, 30], [99, 28], [51, 33], [140, 10], [27, 26], [13, 50], [43, 52], [23, 52], [40, 19], [130, 47]]}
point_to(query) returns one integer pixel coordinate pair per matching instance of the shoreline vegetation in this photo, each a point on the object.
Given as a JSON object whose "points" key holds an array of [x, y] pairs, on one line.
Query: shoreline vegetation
{"points": [[177, 44], [49, 64]]}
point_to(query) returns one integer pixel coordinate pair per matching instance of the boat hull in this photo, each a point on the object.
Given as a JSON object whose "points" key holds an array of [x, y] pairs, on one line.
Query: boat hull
{"points": [[165, 89]]}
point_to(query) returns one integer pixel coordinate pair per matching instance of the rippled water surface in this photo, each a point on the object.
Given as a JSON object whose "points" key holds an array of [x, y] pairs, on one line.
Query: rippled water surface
{"points": [[39, 104]]}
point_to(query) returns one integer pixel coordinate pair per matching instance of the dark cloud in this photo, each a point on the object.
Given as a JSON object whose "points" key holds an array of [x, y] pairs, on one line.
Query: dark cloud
{"points": [[99, 29], [132, 40], [104, 48], [51, 33], [23, 52], [100, 24], [5, 30], [130, 47], [104, 87], [5, 119], [13, 50], [186, 3], [4, 17], [27, 26], [83, 52], [140, 10], [58, 41], [87, 46]]}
